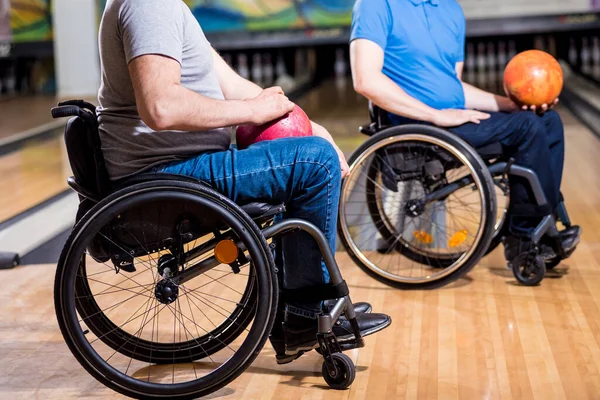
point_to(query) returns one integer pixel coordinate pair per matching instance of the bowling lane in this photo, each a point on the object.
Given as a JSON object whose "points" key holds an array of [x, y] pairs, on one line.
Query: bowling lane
{"points": [[32, 174], [24, 114]]}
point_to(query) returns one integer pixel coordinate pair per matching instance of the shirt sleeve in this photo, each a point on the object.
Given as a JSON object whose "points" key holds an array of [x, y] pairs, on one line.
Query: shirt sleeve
{"points": [[371, 20], [461, 38], [152, 27]]}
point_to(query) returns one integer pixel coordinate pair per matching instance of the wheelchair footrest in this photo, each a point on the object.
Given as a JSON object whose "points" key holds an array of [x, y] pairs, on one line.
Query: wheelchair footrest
{"points": [[315, 293]]}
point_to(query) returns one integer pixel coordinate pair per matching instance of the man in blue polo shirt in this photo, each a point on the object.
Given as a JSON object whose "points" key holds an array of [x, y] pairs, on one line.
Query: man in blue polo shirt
{"points": [[407, 57]]}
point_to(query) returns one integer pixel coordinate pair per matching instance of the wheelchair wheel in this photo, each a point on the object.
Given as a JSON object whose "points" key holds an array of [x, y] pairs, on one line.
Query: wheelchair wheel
{"points": [[179, 324], [418, 209]]}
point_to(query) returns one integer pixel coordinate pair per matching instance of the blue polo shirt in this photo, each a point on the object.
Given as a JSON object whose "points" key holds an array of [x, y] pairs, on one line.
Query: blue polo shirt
{"points": [[422, 40]]}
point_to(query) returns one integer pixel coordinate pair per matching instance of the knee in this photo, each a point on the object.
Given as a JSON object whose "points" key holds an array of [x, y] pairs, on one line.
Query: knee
{"points": [[321, 156], [554, 126], [530, 127]]}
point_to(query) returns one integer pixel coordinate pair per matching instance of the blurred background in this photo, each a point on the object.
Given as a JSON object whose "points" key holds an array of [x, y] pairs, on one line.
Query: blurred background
{"points": [[48, 51]]}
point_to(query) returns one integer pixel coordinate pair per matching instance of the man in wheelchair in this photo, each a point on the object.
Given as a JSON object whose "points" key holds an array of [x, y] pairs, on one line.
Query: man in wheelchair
{"points": [[407, 57], [164, 100]]}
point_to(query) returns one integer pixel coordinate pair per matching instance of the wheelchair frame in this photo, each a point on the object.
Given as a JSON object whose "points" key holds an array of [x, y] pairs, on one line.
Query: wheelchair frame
{"points": [[336, 289], [527, 263]]}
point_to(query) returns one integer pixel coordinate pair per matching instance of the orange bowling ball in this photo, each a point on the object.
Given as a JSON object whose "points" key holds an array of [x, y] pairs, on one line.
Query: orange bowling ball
{"points": [[294, 124], [533, 78]]}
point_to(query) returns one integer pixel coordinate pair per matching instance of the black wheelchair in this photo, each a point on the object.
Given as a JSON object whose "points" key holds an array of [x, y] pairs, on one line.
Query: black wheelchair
{"points": [[167, 289], [421, 207]]}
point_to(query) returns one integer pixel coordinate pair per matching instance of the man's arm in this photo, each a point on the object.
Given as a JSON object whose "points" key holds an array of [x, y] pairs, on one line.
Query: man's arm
{"points": [[234, 87], [163, 104], [367, 59], [478, 99]]}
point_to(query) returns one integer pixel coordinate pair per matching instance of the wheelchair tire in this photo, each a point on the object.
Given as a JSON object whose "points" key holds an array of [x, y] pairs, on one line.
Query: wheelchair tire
{"points": [[262, 298], [127, 344], [452, 266]]}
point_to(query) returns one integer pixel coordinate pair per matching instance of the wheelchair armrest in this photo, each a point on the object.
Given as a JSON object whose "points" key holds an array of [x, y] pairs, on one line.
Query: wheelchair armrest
{"points": [[72, 182], [368, 130]]}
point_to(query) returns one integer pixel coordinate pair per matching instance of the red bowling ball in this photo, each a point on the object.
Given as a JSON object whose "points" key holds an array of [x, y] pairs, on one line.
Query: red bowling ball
{"points": [[294, 124]]}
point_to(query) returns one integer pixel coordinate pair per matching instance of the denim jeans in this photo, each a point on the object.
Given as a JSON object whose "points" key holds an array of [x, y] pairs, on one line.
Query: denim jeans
{"points": [[535, 141], [304, 173]]}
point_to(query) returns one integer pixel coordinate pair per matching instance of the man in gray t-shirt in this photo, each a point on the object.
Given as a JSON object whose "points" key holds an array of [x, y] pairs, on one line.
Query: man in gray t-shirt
{"points": [[164, 100]]}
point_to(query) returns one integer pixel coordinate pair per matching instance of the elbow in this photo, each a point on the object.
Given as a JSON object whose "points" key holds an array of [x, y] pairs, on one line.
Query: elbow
{"points": [[362, 87], [157, 116]]}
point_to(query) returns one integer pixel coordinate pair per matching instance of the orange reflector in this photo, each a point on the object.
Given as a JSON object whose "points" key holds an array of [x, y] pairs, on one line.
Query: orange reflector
{"points": [[226, 251], [458, 238], [423, 237]]}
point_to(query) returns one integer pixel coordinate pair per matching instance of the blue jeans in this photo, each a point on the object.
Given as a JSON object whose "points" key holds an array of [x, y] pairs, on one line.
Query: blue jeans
{"points": [[535, 141], [304, 173]]}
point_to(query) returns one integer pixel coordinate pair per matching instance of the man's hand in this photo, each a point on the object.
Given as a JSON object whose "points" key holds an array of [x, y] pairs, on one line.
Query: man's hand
{"points": [[269, 105], [450, 117], [343, 163], [542, 109], [507, 105]]}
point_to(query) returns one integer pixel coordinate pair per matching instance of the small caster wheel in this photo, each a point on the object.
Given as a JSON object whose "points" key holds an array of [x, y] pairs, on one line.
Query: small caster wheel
{"points": [[344, 373], [529, 272]]}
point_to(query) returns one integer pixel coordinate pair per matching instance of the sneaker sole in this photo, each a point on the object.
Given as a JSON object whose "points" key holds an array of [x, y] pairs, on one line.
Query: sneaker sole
{"points": [[289, 358], [305, 348], [340, 339], [375, 329]]}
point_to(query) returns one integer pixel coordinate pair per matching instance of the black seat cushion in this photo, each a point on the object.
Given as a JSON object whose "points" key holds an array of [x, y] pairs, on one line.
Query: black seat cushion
{"points": [[491, 151], [256, 210], [260, 211]]}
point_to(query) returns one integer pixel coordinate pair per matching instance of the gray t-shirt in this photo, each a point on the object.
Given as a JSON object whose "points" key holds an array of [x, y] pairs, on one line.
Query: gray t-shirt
{"points": [[132, 28]]}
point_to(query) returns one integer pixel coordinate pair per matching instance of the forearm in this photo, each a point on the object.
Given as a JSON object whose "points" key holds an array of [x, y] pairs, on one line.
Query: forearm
{"points": [[478, 99], [234, 87], [384, 92], [239, 88], [179, 108]]}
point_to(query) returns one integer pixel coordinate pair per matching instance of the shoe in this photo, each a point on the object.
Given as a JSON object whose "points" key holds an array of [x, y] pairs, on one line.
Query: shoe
{"points": [[514, 246], [278, 342], [359, 308], [301, 333], [570, 237]]}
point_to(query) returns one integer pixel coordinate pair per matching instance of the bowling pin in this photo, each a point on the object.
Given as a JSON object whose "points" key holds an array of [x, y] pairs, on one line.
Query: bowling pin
{"points": [[312, 63], [227, 58], [539, 44], [492, 65], [481, 64], [340, 70], [268, 70], [242, 66], [551, 42], [596, 57], [512, 49], [585, 56], [301, 67], [572, 52], [11, 80], [284, 80], [469, 73], [502, 55], [257, 70]]}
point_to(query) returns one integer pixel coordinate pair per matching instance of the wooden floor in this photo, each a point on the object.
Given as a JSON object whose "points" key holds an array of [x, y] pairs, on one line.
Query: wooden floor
{"points": [[24, 113], [36, 172], [484, 337]]}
